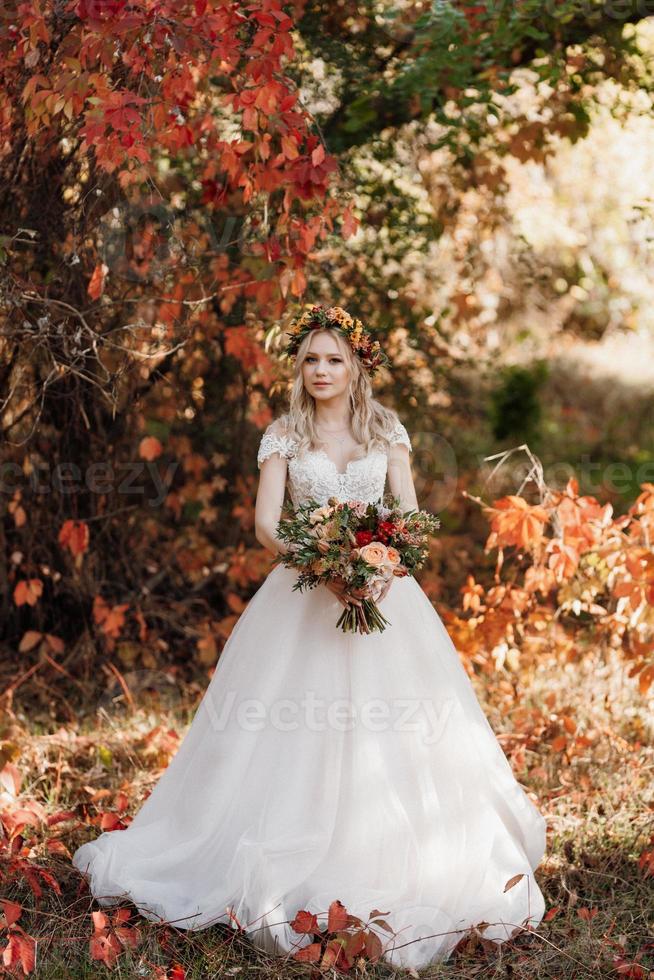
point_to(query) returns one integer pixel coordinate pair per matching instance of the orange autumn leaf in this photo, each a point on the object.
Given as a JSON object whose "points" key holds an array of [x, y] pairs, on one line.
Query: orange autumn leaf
{"points": [[235, 602], [17, 510], [110, 618], [55, 643], [645, 679], [150, 448], [207, 649], [318, 155], [563, 559], [29, 641], [515, 522], [96, 282], [350, 223], [111, 935], [289, 148], [28, 591], [539, 579], [74, 535]]}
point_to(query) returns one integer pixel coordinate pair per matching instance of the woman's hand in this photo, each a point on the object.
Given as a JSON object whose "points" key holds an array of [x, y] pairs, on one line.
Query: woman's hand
{"points": [[385, 589], [337, 586]]}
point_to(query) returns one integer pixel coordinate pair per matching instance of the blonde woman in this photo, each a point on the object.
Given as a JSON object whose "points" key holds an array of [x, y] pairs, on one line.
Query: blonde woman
{"points": [[324, 765]]}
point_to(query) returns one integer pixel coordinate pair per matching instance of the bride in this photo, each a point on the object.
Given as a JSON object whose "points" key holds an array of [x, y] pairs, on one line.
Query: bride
{"points": [[324, 765]]}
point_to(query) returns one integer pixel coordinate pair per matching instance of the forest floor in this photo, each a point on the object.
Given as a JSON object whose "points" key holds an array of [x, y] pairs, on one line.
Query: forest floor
{"points": [[65, 784]]}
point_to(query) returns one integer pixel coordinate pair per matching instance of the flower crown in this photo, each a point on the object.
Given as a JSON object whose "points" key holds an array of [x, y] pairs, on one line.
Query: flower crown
{"points": [[367, 350]]}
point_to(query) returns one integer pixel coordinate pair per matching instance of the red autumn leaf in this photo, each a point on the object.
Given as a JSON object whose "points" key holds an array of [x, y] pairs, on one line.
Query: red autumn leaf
{"points": [[55, 643], [333, 956], [308, 954], [373, 947], [356, 943], [646, 861], [20, 951], [350, 223], [111, 821], [305, 922], [63, 815], [58, 847], [337, 917], [105, 948], [11, 911], [74, 535]]}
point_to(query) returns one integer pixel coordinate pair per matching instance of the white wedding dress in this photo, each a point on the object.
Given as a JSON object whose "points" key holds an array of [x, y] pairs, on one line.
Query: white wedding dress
{"points": [[322, 765]]}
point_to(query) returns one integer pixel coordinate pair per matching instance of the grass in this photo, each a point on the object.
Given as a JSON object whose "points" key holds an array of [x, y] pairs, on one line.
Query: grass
{"points": [[598, 800]]}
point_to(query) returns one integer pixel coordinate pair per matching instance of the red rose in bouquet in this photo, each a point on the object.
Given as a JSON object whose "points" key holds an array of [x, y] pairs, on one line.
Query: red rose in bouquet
{"points": [[360, 545]]}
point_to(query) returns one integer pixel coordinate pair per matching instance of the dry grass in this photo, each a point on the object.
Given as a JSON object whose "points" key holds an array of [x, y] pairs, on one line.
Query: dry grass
{"points": [[599, 805]]}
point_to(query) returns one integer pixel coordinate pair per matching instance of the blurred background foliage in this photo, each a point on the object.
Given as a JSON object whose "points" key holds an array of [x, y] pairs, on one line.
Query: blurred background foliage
{"points": [[496, 159]]}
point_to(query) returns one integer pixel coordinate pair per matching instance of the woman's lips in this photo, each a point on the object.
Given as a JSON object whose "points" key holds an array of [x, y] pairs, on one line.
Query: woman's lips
{"points": [[321, 384]]}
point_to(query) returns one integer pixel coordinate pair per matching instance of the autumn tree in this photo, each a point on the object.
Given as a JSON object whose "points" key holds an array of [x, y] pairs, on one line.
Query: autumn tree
{"points": [[176, 178]]}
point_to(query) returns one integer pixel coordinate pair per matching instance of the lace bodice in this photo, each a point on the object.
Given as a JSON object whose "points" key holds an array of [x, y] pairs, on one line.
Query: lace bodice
{"points": [[313, 475]]}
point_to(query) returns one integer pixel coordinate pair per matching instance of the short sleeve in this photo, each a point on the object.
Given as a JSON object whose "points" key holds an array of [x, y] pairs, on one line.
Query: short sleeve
{"points": [[399, 434], [275, 440]]}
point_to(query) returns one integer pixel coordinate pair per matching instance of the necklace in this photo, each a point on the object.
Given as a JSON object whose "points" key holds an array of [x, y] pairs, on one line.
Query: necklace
{"points": [[336, 439]]}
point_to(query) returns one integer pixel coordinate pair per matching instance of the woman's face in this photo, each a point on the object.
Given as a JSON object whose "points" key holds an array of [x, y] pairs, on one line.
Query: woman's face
{"points": [[325, 372]]}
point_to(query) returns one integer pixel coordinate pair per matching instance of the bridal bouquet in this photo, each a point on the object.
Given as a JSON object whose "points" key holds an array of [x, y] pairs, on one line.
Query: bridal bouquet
{"points": [[359, 545]]}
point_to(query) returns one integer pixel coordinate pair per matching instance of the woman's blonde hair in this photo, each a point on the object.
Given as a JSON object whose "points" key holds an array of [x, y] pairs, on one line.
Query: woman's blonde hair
{"points": [[372, 422]]}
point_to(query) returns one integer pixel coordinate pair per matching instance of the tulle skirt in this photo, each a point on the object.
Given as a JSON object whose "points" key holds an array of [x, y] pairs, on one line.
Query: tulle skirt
{"points": [[322, 765]]}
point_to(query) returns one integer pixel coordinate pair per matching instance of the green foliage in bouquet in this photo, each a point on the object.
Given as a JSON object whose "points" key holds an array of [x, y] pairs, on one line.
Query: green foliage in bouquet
{"points": [[359, 545]]}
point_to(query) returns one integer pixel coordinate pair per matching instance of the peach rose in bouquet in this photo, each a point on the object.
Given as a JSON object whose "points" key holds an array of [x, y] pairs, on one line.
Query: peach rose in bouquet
{"points": [[361, 546]]}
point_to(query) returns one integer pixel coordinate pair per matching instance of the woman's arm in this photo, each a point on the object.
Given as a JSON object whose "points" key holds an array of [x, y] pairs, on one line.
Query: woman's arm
{"points": [[270, 499], [400, 477]]}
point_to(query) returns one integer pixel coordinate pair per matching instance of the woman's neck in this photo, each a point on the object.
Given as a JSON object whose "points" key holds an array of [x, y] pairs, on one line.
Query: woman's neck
{"points": [[336, 416], [333, 420]]}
